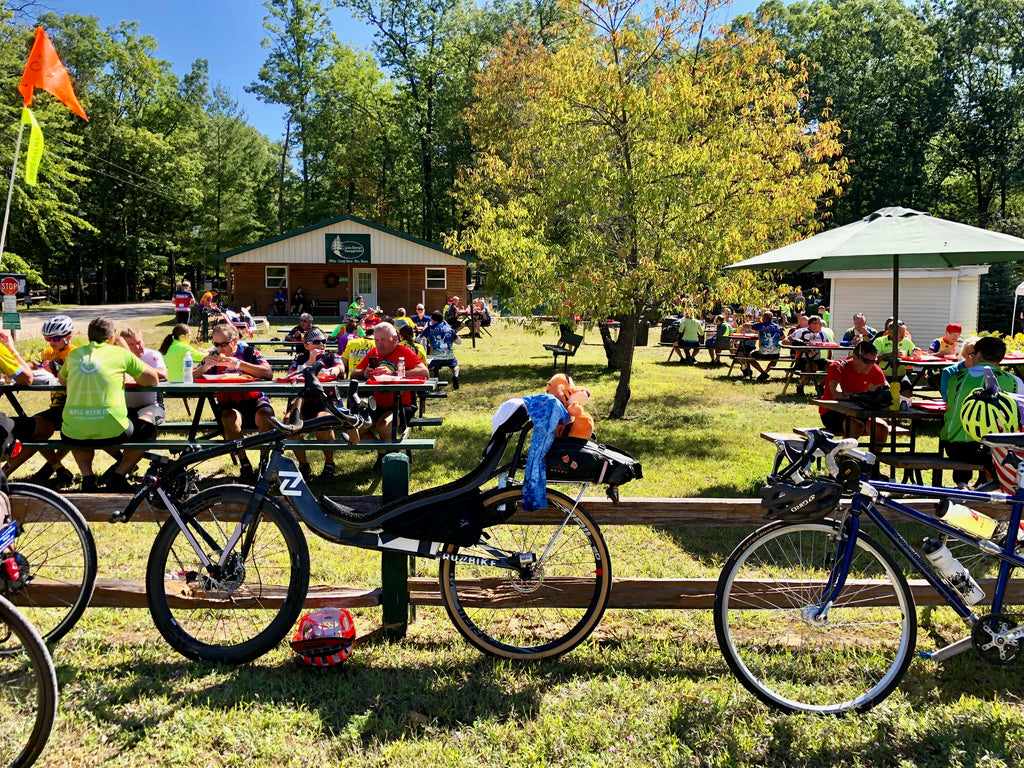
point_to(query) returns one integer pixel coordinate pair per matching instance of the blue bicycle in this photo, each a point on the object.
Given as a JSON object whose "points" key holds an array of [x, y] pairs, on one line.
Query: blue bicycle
{"points": [[814, 615]]}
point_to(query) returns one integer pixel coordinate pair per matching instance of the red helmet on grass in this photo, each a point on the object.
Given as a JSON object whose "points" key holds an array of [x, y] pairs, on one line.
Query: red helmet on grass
{"points": [[324, 637]]}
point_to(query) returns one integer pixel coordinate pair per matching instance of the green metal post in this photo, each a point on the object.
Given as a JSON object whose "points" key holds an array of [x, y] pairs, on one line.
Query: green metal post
{"points": [[394, 566]]}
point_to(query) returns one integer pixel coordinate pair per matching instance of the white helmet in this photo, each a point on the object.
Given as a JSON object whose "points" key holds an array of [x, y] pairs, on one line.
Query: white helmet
{"points": [[59, 325]]}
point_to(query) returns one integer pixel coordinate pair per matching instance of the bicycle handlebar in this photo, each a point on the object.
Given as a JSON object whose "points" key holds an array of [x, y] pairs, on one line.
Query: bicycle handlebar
{"points": [[351, 417], [819, 444]]}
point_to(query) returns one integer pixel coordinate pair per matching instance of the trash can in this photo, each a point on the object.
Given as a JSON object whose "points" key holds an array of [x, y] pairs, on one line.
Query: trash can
{"points": [[642, 331], [669, 330]]}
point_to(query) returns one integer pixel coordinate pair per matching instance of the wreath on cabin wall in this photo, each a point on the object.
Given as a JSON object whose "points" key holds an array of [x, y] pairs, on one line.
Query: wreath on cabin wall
{"points": [[331, 279]]}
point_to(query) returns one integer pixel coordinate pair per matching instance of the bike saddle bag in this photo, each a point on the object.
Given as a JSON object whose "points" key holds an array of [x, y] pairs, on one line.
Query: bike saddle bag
{"points": [[457, 521], [584, 461]]}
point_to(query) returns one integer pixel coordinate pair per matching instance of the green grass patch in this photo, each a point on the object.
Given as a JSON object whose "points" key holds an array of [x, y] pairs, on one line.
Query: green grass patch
{"points": [[649, 687]]}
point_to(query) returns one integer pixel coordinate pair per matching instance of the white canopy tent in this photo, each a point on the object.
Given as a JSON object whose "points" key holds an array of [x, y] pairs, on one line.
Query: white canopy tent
{"points": [[1017, 293]]}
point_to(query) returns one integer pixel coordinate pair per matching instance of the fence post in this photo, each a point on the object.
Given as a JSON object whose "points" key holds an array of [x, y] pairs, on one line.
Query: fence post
{"points": [[394, 566]]}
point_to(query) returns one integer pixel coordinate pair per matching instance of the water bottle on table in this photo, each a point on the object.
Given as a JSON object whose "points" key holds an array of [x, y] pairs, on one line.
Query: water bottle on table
{"points": [[187, 368]]}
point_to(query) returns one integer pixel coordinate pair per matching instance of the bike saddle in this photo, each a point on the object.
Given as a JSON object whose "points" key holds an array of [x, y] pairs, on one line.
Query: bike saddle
{"points": [[438, 495], [1004, 440]]}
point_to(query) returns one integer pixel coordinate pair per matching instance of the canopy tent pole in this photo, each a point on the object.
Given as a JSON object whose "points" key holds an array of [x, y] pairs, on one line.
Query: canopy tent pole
{"points": [[894, 328]]}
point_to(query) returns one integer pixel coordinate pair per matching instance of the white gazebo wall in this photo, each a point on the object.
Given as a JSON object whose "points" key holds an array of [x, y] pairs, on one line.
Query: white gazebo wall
{"points": [[930, 299]]}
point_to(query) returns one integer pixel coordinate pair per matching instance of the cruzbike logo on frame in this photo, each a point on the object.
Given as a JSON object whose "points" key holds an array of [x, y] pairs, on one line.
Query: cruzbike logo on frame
{"points": [[291, 482]]}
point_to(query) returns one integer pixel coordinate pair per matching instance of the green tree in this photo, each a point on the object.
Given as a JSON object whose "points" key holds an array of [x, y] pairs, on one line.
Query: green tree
{"points": [[875, 69], [978, 154], [623, 167], [299, 42], [432, 49]]}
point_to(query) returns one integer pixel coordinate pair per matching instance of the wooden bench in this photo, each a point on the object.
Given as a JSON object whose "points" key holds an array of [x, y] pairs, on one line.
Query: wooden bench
{"points": [[568, 342], [913, 465]]}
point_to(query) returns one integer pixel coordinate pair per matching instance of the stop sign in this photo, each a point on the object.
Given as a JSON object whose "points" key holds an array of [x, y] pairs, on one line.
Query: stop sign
{"points": [[9, 286]]}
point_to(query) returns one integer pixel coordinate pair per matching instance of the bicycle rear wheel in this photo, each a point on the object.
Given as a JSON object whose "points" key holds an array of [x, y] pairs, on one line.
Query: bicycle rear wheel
{"points": [[59, 555], [538, 611], [28, 690], [850, 661], [243, 611]]}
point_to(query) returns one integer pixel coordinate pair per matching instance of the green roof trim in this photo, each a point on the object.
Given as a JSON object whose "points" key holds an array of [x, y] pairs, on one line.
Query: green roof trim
{"points": [[331, 222]]}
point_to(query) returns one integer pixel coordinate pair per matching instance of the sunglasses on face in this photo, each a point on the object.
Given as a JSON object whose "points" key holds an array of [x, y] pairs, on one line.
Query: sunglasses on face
{"points": [[868, 360], [316, 343], [54, 338], [222, 344]]}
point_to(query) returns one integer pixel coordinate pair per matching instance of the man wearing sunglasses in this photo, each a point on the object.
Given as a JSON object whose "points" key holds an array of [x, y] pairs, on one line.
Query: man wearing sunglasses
{"points": [[316, 351], [855, 375], [238, 409]]}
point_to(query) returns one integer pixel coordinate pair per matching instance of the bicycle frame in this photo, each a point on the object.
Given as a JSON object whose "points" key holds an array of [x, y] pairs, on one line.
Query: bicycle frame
{"points": [[869, 501]]}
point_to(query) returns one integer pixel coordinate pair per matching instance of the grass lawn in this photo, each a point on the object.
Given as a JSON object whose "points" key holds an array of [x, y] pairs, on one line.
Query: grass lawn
{"points": [[650, 688]]}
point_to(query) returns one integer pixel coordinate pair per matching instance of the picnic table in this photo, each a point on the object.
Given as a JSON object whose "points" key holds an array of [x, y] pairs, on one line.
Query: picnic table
{"points": [[205, 392], [827, 350], [900, 454], [918, 366]]}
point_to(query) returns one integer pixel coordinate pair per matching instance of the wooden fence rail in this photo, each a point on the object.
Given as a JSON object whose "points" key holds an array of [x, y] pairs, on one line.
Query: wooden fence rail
{"points": [[627, 592]]}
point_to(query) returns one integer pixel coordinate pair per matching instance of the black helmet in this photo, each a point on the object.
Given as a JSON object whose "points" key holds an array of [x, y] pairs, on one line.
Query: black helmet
{"points": [[809, 501]]}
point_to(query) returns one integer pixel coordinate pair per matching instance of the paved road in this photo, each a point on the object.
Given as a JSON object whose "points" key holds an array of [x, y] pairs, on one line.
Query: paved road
{"points": [[32, 322]]}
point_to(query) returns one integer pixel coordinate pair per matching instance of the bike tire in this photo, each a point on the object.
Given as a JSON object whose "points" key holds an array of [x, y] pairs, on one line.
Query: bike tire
{"points": [[59, 554], [28, 693], [240, 617], [847, 664], [542, 616]]}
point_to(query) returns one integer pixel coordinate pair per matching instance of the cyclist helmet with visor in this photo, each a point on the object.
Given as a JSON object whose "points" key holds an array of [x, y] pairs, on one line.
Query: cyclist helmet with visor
{"points": [[59, 325], [804, 502]]}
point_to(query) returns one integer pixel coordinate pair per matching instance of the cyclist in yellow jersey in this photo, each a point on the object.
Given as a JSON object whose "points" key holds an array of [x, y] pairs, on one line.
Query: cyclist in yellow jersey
{"points": [[12, 365], [96, 414], [57, 332]]}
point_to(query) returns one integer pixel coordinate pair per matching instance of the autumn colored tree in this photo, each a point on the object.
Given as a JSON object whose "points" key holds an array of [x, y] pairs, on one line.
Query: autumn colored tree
{"points": [[635, 161]]}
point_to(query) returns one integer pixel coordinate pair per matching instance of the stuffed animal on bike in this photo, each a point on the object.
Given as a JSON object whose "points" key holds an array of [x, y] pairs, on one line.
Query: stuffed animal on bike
{"points": [[574, 399]]}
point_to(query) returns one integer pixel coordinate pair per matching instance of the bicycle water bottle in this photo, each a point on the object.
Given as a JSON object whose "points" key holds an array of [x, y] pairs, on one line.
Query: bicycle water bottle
{"points": [[894, 390], [954, 574], [187, 368], [966, 519]]}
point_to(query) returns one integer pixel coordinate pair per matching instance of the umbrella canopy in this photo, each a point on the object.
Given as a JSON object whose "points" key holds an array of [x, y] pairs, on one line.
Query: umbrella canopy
{"points": [[917, 239], [891, 238]]}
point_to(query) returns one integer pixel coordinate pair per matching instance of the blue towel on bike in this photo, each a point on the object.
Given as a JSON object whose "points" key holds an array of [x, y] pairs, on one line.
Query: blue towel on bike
{"points": [[546, 413]]}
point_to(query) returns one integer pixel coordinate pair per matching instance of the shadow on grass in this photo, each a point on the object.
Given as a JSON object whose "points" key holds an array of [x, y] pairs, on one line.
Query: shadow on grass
{"points": [[366, 698]]}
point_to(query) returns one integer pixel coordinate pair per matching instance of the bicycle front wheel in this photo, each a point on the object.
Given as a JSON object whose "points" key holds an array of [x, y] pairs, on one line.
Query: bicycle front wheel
{"points": [[244, 607], [765, 602], [59, 555], [28, 690], [544, 608]]}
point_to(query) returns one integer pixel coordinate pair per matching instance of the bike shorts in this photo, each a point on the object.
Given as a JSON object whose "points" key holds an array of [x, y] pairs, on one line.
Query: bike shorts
{"points": [[248, 409], [99, 442]]}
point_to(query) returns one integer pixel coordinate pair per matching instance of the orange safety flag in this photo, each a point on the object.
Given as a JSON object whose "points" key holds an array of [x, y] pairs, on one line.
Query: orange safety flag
{"points": [[45, 70]]}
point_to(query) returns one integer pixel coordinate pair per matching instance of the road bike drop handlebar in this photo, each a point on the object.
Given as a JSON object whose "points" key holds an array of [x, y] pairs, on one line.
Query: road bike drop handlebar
{"points": [[819, 444]]}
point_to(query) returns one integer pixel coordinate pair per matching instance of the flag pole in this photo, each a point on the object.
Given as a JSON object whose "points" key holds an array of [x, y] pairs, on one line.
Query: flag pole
{"points": [[10, 190]]}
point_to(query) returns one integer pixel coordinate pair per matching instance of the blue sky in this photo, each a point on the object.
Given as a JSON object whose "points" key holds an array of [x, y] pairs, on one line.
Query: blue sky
{"points": [[228, 34]]}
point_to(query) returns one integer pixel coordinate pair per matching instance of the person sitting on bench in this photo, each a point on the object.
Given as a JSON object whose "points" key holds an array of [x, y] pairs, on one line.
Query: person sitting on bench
{"points": [[96, 413]]}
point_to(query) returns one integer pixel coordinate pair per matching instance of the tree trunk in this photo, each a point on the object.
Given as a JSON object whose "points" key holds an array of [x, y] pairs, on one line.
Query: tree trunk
{"points": [[620, 358], [280, 180]]}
